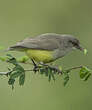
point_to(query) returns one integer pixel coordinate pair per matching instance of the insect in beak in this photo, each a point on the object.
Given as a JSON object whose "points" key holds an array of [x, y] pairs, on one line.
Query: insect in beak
{"points": [[82, 49]]}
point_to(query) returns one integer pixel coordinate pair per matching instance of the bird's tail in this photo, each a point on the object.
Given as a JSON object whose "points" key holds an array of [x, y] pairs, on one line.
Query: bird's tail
{"points": [[16, 48], [10, 49]]}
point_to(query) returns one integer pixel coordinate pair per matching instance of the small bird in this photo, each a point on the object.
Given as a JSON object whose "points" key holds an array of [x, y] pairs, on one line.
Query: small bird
{"points": [[47, 47]]}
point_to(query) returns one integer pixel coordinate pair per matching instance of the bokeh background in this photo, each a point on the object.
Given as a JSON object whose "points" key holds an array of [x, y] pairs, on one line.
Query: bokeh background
{"points": [[23, 18]]}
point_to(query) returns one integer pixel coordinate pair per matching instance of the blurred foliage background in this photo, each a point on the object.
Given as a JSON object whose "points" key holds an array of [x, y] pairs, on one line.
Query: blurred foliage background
{"points": [[23, 18]]}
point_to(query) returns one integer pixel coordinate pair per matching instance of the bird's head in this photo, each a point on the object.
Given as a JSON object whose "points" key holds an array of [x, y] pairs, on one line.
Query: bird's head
{"points": [[73, 43]]}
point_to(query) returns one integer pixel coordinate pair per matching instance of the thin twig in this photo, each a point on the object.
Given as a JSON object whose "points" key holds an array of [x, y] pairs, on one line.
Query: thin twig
{"points": [[5, 73], [28, 70], [73, 68], [52, 67]]}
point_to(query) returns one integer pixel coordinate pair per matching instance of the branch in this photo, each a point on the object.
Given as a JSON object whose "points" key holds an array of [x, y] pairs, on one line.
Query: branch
{"points": [[17, 71], [4, 73], [73, 68], [56, 69], [8, 72]]}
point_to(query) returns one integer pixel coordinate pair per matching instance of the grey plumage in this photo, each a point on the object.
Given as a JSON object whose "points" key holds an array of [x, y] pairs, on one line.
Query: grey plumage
{"points": [[58, 45], [50, 41]]}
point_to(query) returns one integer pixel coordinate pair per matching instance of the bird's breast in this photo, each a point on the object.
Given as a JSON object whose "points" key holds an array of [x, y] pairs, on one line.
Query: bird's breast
{"points": [[40, 55]]}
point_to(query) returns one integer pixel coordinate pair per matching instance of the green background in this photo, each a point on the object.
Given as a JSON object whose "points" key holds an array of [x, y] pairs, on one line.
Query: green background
{"points": [[23, 18]]}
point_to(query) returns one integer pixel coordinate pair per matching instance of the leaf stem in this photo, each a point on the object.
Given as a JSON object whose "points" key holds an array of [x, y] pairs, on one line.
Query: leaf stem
{"points": [[73, 68]]}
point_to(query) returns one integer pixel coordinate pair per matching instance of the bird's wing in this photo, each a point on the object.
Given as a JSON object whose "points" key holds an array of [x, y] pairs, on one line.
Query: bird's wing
{"points": [[40, 42]]}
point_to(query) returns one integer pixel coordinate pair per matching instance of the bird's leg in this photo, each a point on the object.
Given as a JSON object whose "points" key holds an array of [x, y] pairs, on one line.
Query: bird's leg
{"points": [[35, 69], [33, 62]]}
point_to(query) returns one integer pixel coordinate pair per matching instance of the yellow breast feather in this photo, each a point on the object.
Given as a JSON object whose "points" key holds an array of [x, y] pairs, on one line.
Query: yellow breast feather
{"points": [[44, 56]]}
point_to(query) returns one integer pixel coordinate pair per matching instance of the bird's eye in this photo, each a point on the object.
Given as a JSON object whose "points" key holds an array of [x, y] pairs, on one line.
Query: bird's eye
{"points": [[74, 43]]}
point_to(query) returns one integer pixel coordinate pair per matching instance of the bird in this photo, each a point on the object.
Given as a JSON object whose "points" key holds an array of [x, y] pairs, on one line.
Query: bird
{"points": [[48, 47]]}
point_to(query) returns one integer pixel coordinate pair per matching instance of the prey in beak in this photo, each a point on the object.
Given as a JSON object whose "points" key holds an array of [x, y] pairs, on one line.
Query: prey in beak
{"points": [[76, 45], [79, 47], [82, 49]]}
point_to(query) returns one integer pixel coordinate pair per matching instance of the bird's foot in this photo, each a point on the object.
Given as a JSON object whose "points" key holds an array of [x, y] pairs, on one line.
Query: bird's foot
{"points": [[36, 68], [54, 68]]}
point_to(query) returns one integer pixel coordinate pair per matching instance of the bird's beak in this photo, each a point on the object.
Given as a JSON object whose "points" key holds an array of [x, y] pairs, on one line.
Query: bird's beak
{"points": [[82, 49]]}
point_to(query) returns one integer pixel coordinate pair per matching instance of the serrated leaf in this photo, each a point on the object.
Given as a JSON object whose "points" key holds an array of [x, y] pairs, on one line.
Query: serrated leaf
{"points": [[22, 79], [66, 77], [85, 73], [18, 68], [49, 77], [9, 55], [46, 71], [87, 77], [42, 71], [11, 81], [53, 77], [49, 74], [11, 59], [66, 82], [15, 74]]}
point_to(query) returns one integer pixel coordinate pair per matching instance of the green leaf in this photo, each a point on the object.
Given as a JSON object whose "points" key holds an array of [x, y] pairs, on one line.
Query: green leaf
{"points": [[66, 81], [85, 51], [15, 74], [42, 71], [66, 77], [18, 68], [12, 60], [49, 74], [3, 58], [49, 78], [85, 73], [9, 55], [87, 77], [11, 81], [22, 79], [53, 77]]}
